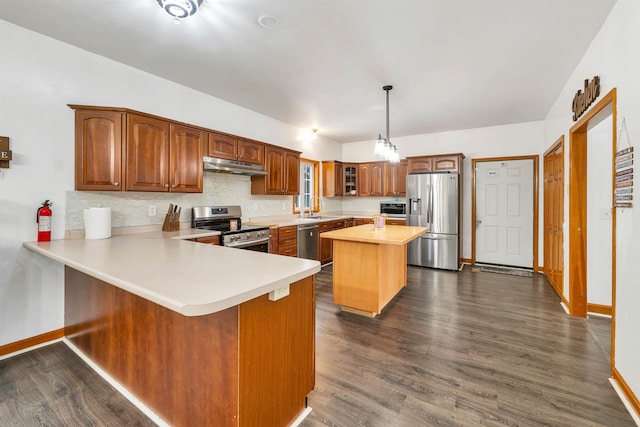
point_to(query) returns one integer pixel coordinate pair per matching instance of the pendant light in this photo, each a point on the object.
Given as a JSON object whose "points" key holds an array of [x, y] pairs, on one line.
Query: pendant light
{"points": [[383, 147]]}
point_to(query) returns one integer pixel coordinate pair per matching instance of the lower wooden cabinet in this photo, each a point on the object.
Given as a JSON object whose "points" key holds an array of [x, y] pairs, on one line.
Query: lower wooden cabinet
{"points": [[325, 254], [288, 241], [396, 221], [210, 240]]}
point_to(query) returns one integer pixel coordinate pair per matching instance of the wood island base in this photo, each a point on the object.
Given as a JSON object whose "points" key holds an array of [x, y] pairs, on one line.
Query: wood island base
{"points": [[369, 265], [248, 365]]}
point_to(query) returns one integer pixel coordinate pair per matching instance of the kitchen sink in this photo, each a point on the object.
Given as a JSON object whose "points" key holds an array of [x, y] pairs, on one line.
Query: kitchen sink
{"points": [[322, 217]]}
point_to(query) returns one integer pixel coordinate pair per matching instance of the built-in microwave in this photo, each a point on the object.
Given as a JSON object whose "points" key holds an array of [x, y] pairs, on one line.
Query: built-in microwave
{"points": [[393, 209]]}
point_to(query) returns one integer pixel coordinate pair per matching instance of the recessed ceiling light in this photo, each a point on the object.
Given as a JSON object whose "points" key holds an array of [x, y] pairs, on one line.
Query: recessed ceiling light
{"points": [[180, 9], [267, 21]]}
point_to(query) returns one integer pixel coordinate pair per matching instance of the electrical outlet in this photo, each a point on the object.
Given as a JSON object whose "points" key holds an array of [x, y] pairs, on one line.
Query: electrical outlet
{"points": [[255, 206], [284, 205], [152, 210]]}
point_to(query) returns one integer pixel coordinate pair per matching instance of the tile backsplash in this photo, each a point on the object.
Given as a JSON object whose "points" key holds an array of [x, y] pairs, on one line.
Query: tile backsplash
{"points": [[129, 209]]}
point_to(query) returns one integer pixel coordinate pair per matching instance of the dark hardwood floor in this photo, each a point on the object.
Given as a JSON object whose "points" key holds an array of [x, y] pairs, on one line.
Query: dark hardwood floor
{"points": [[452, 349], [51, 386], [461, 349]]}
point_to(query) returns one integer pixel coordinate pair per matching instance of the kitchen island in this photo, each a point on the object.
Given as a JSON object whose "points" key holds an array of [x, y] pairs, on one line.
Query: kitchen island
{"points": [[200, 334], [369, 265]]}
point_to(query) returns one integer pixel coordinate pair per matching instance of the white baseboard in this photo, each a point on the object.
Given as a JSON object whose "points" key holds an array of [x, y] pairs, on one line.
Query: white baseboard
{"points": [[625, 401]]}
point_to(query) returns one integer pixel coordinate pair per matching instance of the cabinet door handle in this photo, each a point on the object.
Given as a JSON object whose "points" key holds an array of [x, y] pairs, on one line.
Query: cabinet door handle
{"points": [[116, 183], [166, 186], [173, 185]]}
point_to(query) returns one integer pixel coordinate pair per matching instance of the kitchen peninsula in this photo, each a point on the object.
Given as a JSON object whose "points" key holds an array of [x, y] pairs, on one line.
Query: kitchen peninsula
{"points": [[201, 334], [369, 265]]}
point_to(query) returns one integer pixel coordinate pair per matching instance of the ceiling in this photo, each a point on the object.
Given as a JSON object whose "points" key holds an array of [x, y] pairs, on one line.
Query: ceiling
{"points": [[454, 64]]}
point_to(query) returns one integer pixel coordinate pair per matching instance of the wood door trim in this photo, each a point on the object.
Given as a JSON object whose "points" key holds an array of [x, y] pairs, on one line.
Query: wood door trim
{"points": [[578, 206], [536, 185], [577, 187]]}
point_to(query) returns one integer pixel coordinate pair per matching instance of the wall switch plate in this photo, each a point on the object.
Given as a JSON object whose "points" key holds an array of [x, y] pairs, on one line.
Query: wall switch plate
{"points": [[279, 293], [255, 206], [152, 210]]}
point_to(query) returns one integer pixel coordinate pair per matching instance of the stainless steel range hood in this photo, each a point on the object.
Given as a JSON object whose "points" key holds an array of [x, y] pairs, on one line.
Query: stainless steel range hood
{"points": [[212, 164]]}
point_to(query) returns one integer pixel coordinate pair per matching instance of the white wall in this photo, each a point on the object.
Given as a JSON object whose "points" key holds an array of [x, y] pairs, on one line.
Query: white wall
{"points": [[599, 158], [613, 55], [39, 76], [499, 141]]}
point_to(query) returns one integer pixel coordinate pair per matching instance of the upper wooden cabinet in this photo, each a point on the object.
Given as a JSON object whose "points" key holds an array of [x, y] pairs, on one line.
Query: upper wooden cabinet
{"points": [[350, 179], [395, 179], [147, 154], [420, 164], [163, 157], [98, 150], [444, 162], [283, 172], [370, 179], [332, 179], [185, 159], [234, 148]]}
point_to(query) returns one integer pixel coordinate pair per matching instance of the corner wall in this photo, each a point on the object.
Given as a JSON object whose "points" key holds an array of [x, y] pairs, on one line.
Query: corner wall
{"points": [[39, 76]]}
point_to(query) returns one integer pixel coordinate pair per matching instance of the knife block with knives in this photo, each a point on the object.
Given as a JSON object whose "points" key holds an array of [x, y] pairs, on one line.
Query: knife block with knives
{"points": [[172, 218]]}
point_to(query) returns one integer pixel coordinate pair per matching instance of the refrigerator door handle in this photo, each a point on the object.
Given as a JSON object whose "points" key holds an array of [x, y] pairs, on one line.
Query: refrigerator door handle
{"points": [[430, 209], [434, 238]]}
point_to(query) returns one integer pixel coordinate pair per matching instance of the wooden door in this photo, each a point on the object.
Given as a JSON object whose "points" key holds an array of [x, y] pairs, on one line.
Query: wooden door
{"points": [[504, 212], [291, 174], [250, 152], [147, 154], [186, 149], [98, 146], [222, 146], [554, 216], [364, 179]]}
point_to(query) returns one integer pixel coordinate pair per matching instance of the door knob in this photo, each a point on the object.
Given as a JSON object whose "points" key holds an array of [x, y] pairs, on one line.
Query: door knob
{"points": [[479, 221]]}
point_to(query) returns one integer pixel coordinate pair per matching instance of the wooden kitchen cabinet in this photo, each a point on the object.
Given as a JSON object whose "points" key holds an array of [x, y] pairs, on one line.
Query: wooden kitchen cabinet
{"points": [[370, 179], [332, 179], [442, 162], [185, 159], [210, 240], [395, 179], [326, 245], [98, 150], [350, 179], [362, 221], [395, 221], [288, 241], [451, 162], [163, 157], [419, 164], [274, 243], [233, 148], [283, 172]]}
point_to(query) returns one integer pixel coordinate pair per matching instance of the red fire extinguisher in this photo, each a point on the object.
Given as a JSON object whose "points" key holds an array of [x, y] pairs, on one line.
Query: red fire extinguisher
{"points": [[43, 218]]}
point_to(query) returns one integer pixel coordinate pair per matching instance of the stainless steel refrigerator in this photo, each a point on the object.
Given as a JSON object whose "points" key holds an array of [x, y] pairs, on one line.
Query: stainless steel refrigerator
{"points": [[433, 201]]}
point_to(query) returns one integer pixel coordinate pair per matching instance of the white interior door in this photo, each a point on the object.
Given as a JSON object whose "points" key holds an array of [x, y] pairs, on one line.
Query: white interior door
{"points": [[504, 212]]}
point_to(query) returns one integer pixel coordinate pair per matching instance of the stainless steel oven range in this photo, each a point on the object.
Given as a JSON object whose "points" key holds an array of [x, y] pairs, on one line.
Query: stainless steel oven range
{"points": [[227, 220]]}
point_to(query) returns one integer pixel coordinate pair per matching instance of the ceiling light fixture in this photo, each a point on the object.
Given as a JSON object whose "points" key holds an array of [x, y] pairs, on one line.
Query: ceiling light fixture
{"points": [[180, 9], [384, 148]]}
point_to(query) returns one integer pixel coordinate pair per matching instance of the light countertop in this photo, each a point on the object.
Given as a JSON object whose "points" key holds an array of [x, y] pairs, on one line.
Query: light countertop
{"points": [[389, 235], [187, 277], [288, 220]]}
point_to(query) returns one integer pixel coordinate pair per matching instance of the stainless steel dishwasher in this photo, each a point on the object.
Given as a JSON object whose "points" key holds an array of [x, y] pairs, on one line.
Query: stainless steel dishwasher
{"points": [[308, 242]]}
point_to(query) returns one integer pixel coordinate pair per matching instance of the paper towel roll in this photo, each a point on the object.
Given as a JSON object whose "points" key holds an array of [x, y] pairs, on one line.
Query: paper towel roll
{"points": [[97, 223]]}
